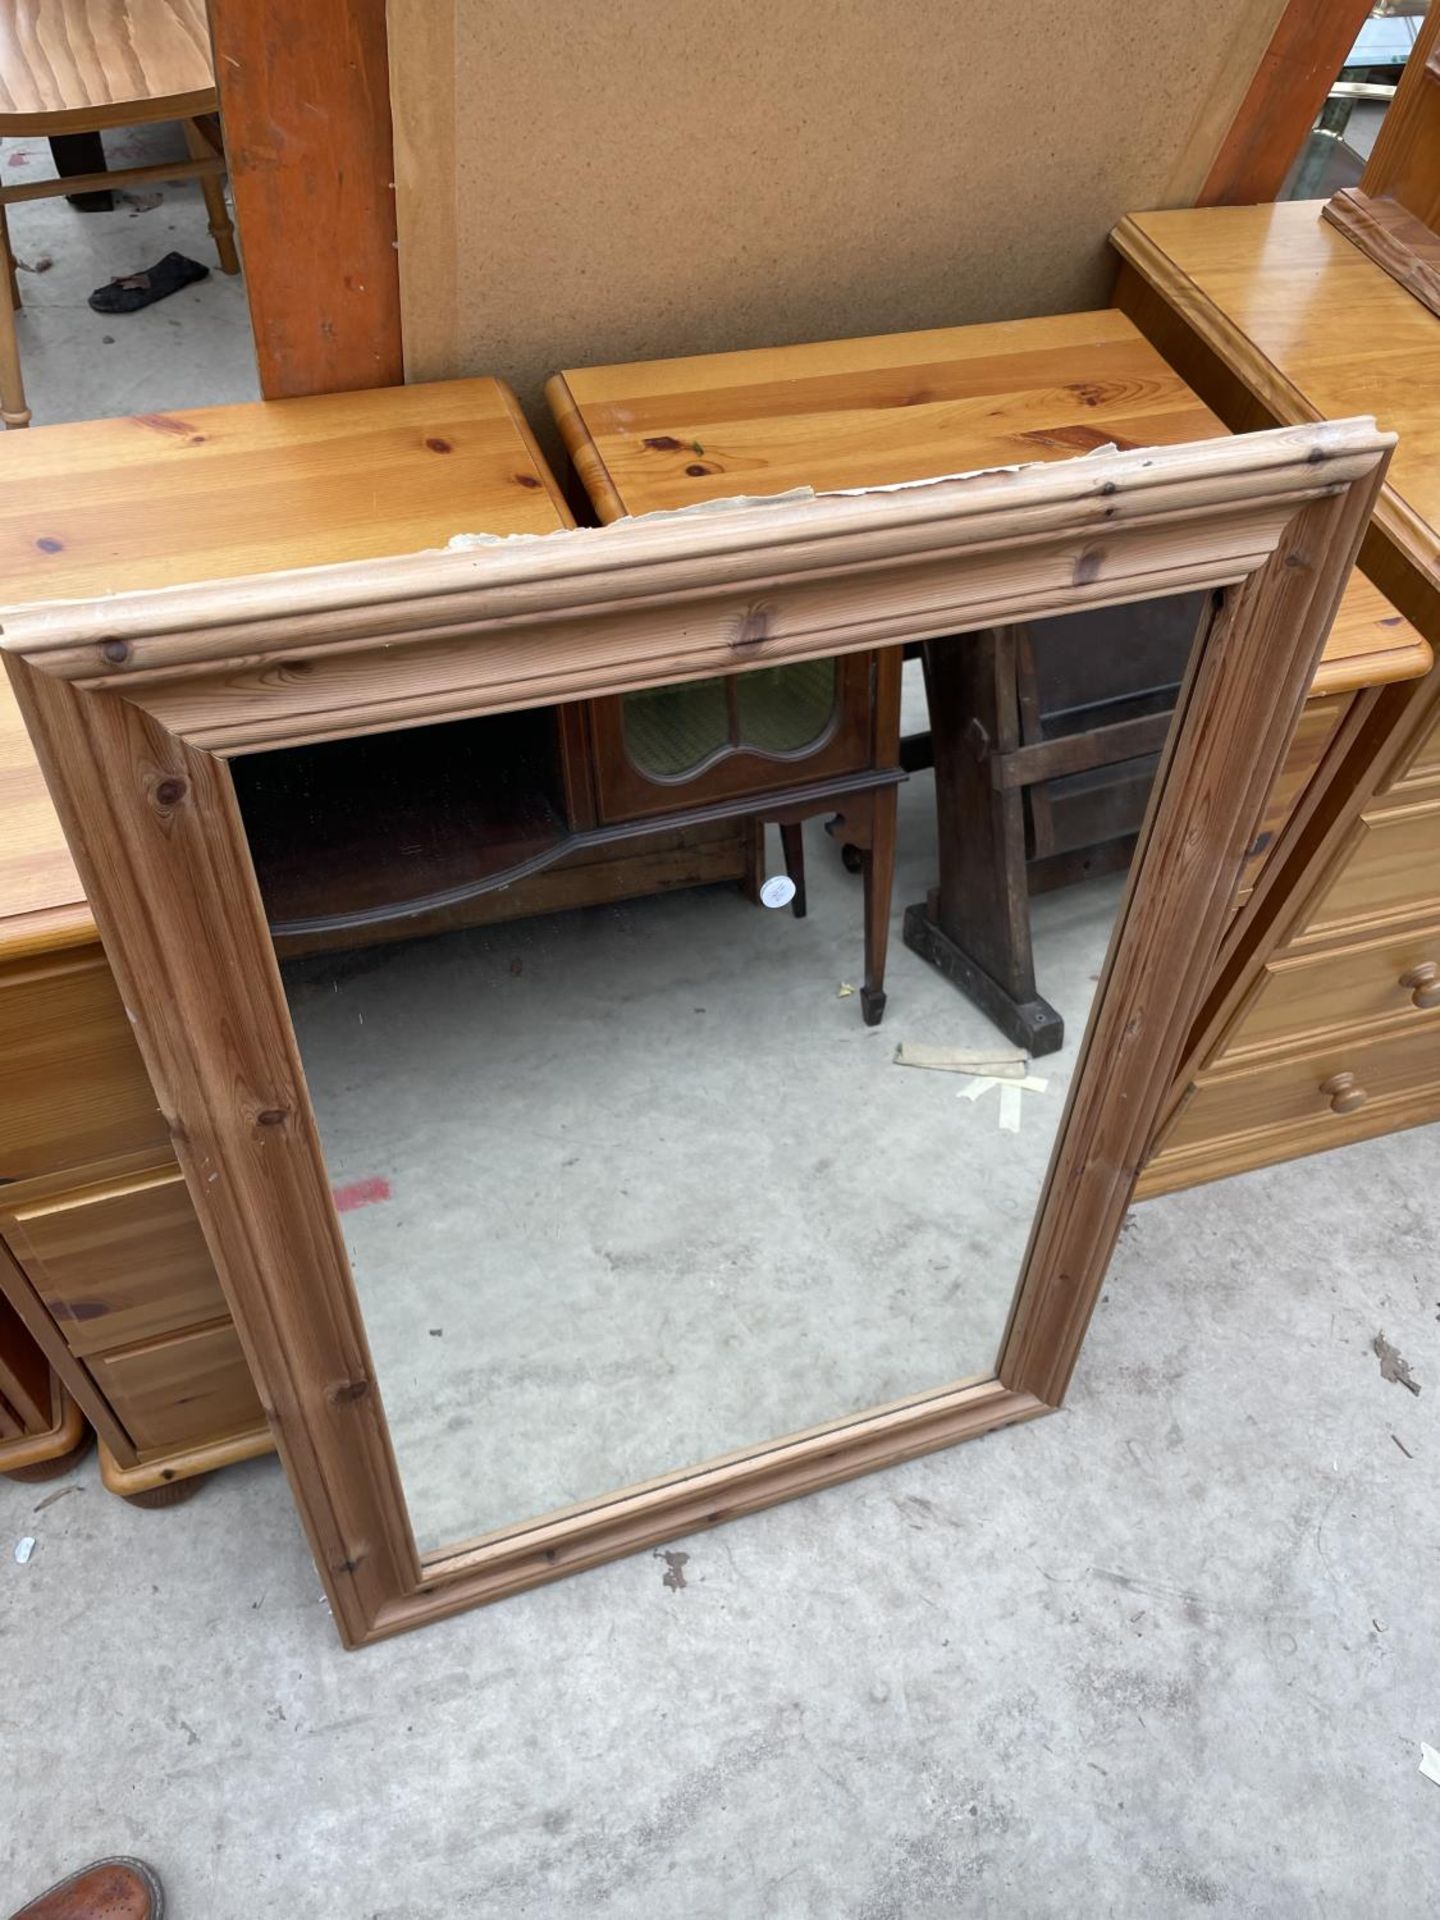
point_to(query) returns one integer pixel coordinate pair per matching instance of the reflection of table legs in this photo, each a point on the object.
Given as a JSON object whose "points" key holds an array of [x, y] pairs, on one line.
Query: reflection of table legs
{"points": [[866, 822], [975, 925], [792, 842]]}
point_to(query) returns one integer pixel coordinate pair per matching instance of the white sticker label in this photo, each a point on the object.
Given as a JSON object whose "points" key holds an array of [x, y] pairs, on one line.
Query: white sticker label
{"points": [[777, 891]]}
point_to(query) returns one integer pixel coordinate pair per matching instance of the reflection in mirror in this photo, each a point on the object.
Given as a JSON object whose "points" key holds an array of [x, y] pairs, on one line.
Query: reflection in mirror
{"points": [[626, 1180]]}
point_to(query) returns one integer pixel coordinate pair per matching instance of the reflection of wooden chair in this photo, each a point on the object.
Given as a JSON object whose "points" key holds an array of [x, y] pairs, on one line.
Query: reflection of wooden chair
{"points": [[1045, 750], [58, 77]]}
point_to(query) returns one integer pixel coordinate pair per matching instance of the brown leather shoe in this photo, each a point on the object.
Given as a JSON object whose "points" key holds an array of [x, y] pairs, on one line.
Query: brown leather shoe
{"points": [[117, 1889]]}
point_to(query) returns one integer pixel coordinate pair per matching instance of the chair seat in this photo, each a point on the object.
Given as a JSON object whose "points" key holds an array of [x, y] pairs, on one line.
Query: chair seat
{"points": [[78, 65]]}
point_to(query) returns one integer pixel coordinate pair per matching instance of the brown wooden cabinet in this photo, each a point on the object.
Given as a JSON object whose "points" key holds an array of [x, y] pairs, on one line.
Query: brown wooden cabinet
{"points": [[100, 1250]]}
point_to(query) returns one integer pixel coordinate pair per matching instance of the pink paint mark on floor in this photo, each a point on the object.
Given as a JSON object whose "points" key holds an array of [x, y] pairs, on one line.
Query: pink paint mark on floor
{"points": [[361, 1193]]}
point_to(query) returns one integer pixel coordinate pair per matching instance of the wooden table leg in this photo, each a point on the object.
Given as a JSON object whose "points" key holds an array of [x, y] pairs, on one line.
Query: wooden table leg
{"points": [[13, 410], [212, 185], [792, 842], [975, 926], [879, 874]]}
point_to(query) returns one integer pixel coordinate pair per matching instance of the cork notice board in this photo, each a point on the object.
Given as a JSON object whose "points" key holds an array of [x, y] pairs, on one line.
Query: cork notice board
{"points": [[627, 179]]}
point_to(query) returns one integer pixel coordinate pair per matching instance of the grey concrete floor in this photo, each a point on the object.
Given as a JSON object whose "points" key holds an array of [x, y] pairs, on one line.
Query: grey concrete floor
{"points": [[1170, 1651]]}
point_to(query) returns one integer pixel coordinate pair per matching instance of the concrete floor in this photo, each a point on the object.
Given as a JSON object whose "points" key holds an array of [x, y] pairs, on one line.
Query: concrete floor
{"points": [[1169, 1652]]}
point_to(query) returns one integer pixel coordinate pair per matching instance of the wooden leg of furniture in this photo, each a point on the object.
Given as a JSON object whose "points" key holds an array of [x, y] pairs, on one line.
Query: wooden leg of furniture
{"points": [[178, 1470], [868, 825], [879, 872], [212, 185], [975, 926], [53, 1468], [13, 410], [174, 1494], [792, 840], [754, 876], [45, 1456], [12, 278]]}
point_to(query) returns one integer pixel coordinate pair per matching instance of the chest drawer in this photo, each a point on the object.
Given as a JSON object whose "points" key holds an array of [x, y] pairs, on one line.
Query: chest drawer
{"points": [[74, 1086], [1319, 1091], [191, 1388], [1389, 871], [1303, 996], [1313, 735], [1421, 768], [117, 1260]]}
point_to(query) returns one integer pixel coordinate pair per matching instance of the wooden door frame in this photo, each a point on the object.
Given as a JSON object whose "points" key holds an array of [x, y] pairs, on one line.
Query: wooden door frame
{"points": [[136, 703]]}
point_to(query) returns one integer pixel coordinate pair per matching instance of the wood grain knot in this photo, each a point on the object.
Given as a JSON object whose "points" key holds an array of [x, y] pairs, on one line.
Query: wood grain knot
{"points": [[115, 651], [47, 543], [526, 480], [662, 443], [437, 445], [1316, 457], [346, 1391], [272, 1117], [754, 630], [1087, 567], [170, 792], [698, 472]]}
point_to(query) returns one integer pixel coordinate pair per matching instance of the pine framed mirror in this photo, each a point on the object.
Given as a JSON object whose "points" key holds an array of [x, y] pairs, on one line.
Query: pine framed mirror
{"points": [[625, 1282]]}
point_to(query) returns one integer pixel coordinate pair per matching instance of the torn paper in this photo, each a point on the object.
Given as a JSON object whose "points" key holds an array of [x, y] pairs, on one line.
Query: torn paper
{"points": [[995, 1063]]}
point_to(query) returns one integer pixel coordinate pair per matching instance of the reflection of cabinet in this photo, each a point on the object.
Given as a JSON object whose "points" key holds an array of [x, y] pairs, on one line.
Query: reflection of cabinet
{"points": [[744, 734], [474, 821]]}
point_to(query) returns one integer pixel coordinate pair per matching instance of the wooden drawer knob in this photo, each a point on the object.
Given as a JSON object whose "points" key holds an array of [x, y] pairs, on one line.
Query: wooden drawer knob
{"points": [[1422, 983], [1345, 1094]]}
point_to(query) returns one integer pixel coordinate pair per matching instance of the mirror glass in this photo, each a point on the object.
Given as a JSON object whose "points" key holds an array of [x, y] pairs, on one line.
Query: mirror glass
{"points": [[627, 1179]]}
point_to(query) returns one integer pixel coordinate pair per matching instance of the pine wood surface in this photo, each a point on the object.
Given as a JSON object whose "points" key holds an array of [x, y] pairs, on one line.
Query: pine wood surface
{"points": [[1313, 329], [862, 413], [102, 63]]}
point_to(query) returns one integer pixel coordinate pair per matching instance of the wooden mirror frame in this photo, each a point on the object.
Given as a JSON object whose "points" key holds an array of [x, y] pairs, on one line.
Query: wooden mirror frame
{"points": [[136, 703]]}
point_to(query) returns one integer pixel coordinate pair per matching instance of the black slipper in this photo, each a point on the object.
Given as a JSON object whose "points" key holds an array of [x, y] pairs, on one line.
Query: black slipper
{"points": [[131, 291]]}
